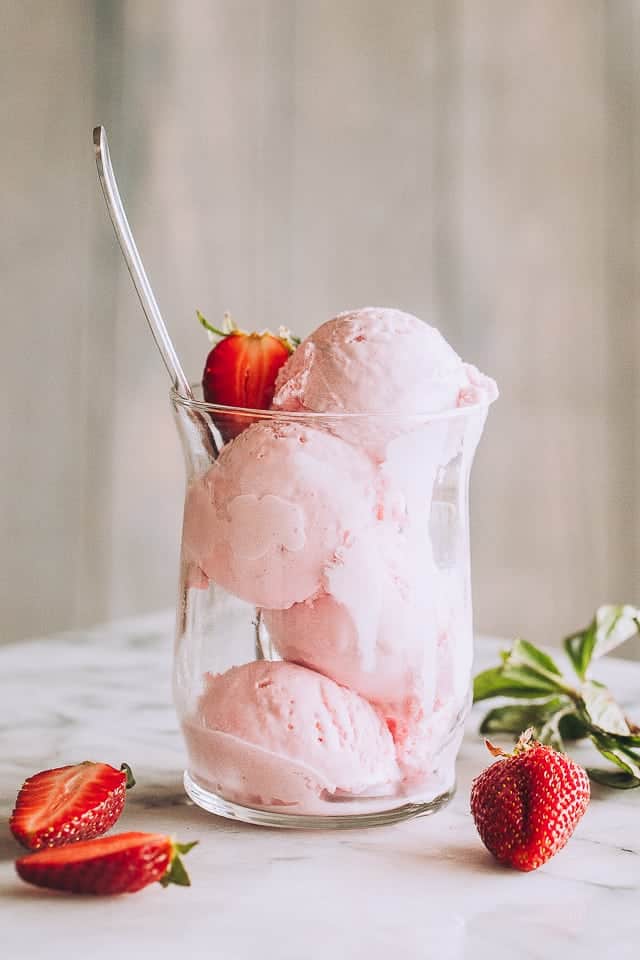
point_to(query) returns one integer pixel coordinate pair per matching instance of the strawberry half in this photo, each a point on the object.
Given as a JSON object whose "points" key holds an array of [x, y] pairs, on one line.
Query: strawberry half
{"points": [[122, 863], [527, 805], [70, 803], [241, 370]]}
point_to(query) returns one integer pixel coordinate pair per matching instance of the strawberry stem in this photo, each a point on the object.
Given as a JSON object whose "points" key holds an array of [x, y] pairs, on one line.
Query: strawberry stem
{"points": [[205, 323], [525, 742], [131, 780], [176, 871]]}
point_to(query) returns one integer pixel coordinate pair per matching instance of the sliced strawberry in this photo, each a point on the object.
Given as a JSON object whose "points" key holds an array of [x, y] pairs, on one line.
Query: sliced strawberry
{"points": [[122, 863], [241, 371], [70, 803]]}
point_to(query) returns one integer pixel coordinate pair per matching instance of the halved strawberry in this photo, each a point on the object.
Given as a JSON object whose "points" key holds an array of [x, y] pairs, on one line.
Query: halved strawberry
{"points": [[69, 803], [241, 370], [122, 863]]}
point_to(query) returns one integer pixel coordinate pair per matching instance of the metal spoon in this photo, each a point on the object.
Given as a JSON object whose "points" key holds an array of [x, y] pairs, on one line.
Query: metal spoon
{"points": [[134, 263]]}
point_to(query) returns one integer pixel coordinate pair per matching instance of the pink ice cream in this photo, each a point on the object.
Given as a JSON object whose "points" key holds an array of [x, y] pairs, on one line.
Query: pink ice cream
{"points": [[273, 511], [373, 627], [378, 360], [273, 734], [340, 532]]}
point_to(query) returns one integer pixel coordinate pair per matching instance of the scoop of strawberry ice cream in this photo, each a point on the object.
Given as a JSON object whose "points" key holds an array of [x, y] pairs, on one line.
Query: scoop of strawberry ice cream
{"points": [[274, 734], [373, 626], [378, 360], [272, 511]]}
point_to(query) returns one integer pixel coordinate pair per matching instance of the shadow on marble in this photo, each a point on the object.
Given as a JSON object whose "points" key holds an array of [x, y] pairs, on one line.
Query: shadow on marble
{"points": [[25, 891], [9, 848]]}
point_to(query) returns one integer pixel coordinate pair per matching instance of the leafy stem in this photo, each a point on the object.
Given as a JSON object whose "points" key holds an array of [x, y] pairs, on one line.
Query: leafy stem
{"points": [[560, 711]]}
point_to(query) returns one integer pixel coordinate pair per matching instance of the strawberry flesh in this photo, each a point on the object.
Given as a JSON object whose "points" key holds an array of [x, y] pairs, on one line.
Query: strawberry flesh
{"points": [[122, 863], [68, 804], [241, 371], [526, 806]]}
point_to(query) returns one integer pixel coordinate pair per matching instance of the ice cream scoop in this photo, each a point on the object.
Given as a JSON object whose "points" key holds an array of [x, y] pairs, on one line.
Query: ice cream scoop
{"points": [[373, 626], [270, 514], [274, 734], [377, 360]]}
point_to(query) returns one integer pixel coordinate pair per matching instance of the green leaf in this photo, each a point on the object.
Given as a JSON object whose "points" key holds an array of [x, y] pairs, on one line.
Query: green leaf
{"points": [[579, 647], [494, 683], [551, 732], [525, 654], [177, 873], [515, 717], [572, 727], [603, 711], [621, 756], [131, 780], [614, 778], [526, 666], [185, 847], [526, 672], [615, 625], [628, 740], [611, 626], [530, 679], [621, 760]]}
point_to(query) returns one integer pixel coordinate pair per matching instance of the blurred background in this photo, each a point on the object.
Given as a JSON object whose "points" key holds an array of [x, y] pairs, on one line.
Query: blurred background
{"points": [[472, 162]]}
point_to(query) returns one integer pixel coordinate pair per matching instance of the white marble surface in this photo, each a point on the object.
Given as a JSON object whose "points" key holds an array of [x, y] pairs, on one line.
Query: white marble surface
{"points": [[421, 889]]}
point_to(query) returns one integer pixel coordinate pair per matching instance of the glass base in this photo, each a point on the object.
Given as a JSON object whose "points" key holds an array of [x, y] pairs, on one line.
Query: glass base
{"points": [[214, 803]]}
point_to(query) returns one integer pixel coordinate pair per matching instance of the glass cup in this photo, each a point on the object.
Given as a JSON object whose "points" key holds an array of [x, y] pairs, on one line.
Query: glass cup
{"points": [[324, 635]]}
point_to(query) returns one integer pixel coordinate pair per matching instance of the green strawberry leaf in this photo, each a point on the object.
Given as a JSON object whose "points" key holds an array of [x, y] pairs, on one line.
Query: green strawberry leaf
{"points": [[603, 711], [529, 679], [558, 712], [526, 673], [622, 756], [615, 625], [572, 726], [185, 847], [525, 654], [131, 780], [579, 648], [611, 626], [551, 731], [495, 683], [614, 778], [176, 872], [516, 717], [628, 740]]}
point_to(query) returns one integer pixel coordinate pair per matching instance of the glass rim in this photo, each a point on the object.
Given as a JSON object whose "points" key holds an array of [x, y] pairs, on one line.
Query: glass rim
{"points": [[313, 416]]}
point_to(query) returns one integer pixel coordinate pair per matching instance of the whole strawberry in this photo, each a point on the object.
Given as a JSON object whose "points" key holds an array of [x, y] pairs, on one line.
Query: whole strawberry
{"points": [[241, 370], [122, 863], [527, 805], [66, 804]]}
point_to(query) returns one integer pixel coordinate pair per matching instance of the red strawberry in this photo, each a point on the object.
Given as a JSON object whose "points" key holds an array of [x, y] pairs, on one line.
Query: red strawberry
{"points": [[69, 803], [241, 370], [527, 805], [122, 863]]}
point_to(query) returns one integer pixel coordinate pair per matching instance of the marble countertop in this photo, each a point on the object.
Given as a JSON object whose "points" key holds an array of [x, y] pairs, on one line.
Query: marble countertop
{"points": [[422, 889]]}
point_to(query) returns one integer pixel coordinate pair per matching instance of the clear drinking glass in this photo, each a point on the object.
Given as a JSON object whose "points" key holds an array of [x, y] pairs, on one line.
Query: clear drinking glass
{"points": [[324, 634]]}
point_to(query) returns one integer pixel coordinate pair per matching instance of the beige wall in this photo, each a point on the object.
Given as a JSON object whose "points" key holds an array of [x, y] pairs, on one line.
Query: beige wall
{"points": [[474, 163]]}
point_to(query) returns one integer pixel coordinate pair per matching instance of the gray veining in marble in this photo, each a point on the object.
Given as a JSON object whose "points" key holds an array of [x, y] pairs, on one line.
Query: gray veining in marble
{"points": [[422, 889]]}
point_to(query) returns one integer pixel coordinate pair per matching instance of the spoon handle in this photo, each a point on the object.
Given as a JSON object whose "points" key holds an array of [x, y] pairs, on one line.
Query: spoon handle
{"points": [[134, 263]]}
